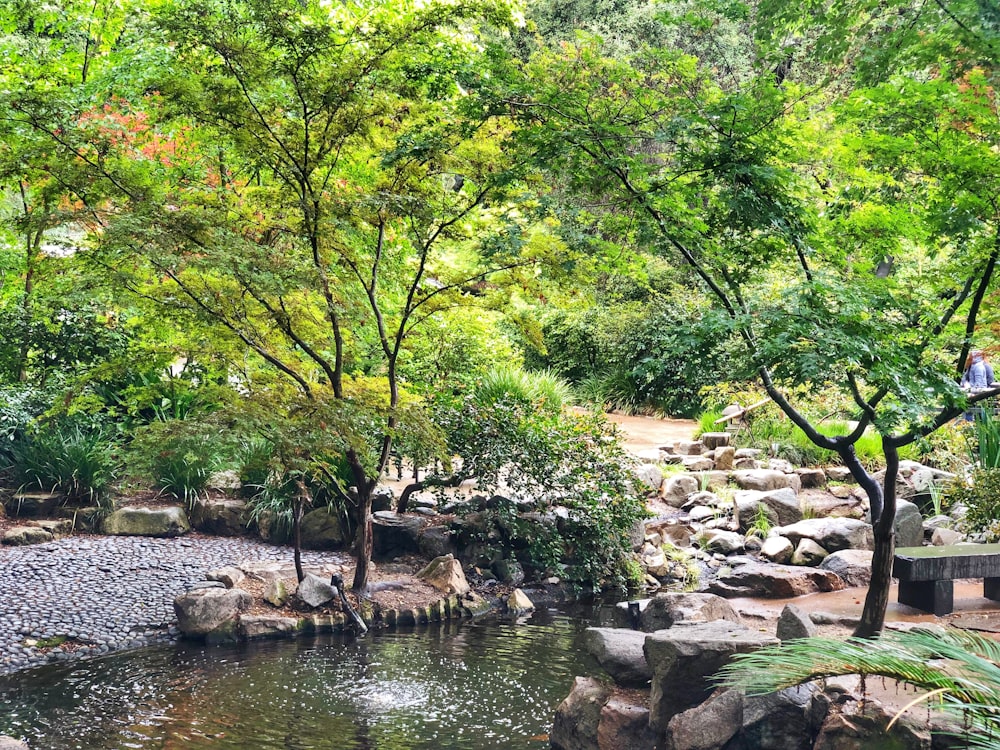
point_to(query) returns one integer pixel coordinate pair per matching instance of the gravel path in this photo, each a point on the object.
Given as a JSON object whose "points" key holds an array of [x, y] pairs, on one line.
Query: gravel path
{"points": [[107, 593]]}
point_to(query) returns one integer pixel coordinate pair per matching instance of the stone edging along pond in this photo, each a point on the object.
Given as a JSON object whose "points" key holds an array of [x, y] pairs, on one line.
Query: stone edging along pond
{"points": [[219, 609]]}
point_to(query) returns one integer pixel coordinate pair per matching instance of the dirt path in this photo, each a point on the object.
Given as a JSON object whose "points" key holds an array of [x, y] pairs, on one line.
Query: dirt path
{"points": [[647, 433]]}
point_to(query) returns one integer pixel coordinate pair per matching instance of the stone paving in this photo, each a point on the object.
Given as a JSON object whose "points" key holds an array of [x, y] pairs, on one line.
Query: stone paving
{"points": [[102, 594]]}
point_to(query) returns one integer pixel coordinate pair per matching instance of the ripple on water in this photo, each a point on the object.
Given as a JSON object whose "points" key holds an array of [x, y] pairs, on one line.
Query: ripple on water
{"points": [[474, 686]]}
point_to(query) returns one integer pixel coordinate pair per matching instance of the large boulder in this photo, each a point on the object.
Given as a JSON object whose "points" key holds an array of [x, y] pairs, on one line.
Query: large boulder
{"points": [[267, 626], [395, 534], [579, 716], [620, 653], [314, 591], [781, 506], [624, 725], [678, 488], [21, 536], [668, 609], [9, 743], [169, 521], [853, 566], [863, 725], [650, 476], [708, 726], [779, 721], [322, 530], [33, 504], [436, 541], [777, 549], [719, 540], [221, 517], [832, 534], [209, 611], [774, 581], [763, 480], [684, 660], [229, 576], [807, 552], [793, 624], [445, 574], [909, 525]]}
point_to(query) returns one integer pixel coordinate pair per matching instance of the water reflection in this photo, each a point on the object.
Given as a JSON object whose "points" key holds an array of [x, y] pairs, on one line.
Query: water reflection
{"points": [[459, 686]]}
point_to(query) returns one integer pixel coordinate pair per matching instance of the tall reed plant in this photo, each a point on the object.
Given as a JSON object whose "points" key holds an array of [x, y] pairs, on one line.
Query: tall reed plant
{"points": [[984, 440], [76, 460]]}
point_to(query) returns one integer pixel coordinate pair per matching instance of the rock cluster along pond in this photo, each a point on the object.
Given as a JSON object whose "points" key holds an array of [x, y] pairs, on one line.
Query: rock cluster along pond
{"points": [[684, 640], [92, 595]]}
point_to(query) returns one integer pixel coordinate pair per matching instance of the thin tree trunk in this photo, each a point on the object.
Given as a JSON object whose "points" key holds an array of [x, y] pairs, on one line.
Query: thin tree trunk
{"points": [[884, 526]]}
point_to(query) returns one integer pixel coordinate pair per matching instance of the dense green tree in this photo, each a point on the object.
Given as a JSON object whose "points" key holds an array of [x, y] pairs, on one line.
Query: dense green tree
{"points": [[783, 206]]}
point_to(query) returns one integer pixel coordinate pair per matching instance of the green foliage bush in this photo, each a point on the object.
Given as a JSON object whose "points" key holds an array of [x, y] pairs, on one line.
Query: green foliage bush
{"points": [[551, 459], [984, 440], [981, 498], [543, 390], [72, 458], [180, 455]]}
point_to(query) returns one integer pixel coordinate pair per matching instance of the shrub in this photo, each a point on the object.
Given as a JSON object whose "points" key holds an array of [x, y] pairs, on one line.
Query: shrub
{"points": [[67, 457], [981, 499], [555, 459], [984, 440], [179, 456], [543, 389]]}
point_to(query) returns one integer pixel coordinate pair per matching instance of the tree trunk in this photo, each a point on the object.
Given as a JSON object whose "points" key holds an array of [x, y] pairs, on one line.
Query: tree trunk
{"points": [[363, 542], [297, 537], [884, 527]]}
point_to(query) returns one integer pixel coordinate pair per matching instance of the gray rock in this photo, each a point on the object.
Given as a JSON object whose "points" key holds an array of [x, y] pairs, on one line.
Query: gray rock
{"points": [[781, 506], [697, 463], [779, 721], [322, 529], [20, 536], [230, 576], [275, 592], [724, 458], [313, 591], [267, 626], [777, 549], [715, 440], [807, 552], [222, 517], [689, 448], [33, 504], [579, 715], [202, 612], [620, 653], [678, 488], [853, 566], [832, 534], [624, 725], [708, 726], [793, 623], [650, 476], [9, 743], [774, 581], [909, 525], [811, 478], [685, 659], [760, 479], [395, 534], [942, 537], [508, 571], [436, 541], [668, 609], [718, 540], [839, 474], [167, 522]]}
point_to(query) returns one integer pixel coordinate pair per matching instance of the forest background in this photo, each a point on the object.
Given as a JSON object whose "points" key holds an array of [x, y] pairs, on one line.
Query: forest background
{"points": [[306, 240]]}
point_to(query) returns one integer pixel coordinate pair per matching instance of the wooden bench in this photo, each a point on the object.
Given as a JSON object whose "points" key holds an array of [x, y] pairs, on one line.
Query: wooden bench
{"points": [[927, 574]]}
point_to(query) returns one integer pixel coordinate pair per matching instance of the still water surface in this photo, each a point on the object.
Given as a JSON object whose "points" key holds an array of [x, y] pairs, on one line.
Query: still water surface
{"points": [[485, 685]]}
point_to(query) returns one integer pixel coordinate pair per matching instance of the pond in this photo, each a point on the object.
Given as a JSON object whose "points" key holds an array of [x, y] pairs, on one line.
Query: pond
{"points": [[487, 684]]}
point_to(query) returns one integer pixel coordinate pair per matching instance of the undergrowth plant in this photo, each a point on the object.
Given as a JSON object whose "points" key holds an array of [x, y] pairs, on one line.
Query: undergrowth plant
{"points": [[76, 460], [180, 455]]}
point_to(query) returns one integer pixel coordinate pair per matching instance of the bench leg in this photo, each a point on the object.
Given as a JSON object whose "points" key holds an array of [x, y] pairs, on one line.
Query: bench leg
{"points": [[991, 588], [937, 597]]}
